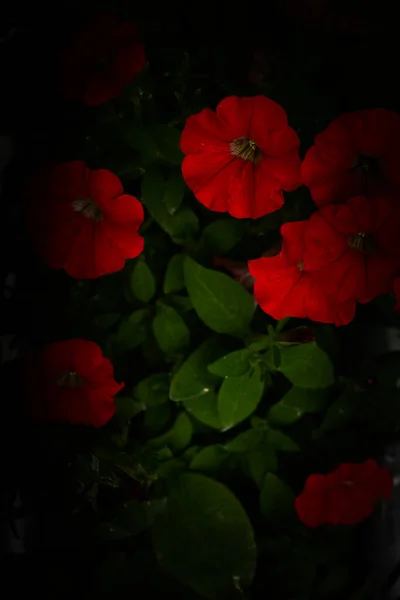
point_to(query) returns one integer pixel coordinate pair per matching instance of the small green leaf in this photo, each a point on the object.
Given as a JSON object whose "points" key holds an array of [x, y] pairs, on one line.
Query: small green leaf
{"points": [[170, 330], [153, 390], [174, 192], [132, 330], [295, 403], [276, 498], [306, 365], [238, 397], [193, 379], [138, 137], [204, 538], [246, 441], [177, 438], [222, 235], [174, 281], [167, 141], [231, 365], [209, 458], [205, 409], [142, 283], [127, 408], [222, 303], [281, 441]]}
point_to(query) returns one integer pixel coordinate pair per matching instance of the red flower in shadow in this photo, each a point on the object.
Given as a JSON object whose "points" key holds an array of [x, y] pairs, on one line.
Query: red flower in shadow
{"points": [[71, 381], [80, 220], [346, 496], [101, 60], [285, 287], [241, 157], [358, 153]]}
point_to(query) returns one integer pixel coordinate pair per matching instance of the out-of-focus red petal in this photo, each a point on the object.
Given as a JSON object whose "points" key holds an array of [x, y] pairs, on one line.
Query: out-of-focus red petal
{"points": [[310, 508]]}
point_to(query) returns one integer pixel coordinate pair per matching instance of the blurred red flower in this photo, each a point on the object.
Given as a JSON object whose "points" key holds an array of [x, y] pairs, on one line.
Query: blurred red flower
{"points": [[80, 220], [360, 239], [71, 381], [101, 60], [346, 496], [241, 157], [284, 287], [358, 153]]}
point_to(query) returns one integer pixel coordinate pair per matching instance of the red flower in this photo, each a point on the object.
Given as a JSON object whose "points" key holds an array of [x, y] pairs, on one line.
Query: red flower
{"points": [[284, 287], [101, 60], [80, 220], [241, 157], [346, 496], [71, 381], [360, 239], [358, 153]]}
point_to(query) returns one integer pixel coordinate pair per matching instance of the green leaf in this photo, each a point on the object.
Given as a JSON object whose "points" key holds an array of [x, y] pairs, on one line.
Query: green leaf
{"points": [[177, 438], [174, 192], [209, 458], [238, 397], [294, 404], [156, 143], [126, 408], [142, 283], [106, 320], [258, 462], [156, 418], [170, 330], [281, 441], [306, 365], [205, 409], [193, 379], [222, 303], [221, 236], [204, 538], [132, 330], [174, 281], [153, 390], [231, 365], [167, 140], [246, 441], [276, 498]]}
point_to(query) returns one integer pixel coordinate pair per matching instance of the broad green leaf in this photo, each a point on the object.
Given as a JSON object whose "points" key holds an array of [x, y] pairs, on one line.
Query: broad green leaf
{"points": [[193, 379], [205, 409], [167, 141], [222, 235], [231, 365], [295, 403], [276, 498], [132, 330], [281, 441], [209, 458], [246, 441], [177, 438], [153, 390], [174, 192], [222, 303], [142, 282], [174, 281], [204, 538], [170, 330], [238, 397], [156, 143], [306, 365]]}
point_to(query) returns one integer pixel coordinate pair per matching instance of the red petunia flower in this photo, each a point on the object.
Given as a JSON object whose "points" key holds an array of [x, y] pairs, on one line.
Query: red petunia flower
{"points": [[101, 60], [241, 157], [71, 381], [358, 153], [361, 241], [346, 496], [285, 287], [80, 220]]}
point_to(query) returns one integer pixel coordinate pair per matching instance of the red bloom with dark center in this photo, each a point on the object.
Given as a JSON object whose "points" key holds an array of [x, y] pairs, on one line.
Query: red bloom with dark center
{"points": [[358, 153], [80, 220], [71, 381], [101, 60], [360, 239], [285, 287], [241, 157], [346, 496]]}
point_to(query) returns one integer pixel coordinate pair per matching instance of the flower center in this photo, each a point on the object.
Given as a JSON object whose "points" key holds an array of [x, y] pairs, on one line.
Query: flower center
{"points": [[363, 242], [300, 265], [366, 166], [246, 149], [70, 379], [88, 208]]}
